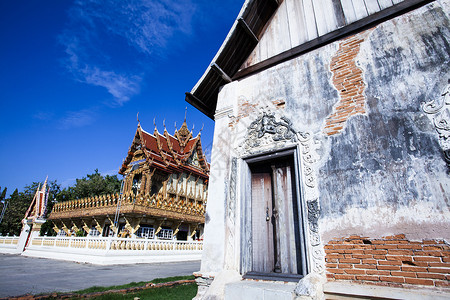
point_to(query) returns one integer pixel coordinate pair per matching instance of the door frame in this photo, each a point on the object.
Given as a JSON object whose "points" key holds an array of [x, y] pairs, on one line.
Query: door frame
{"points": [[246, 249]]}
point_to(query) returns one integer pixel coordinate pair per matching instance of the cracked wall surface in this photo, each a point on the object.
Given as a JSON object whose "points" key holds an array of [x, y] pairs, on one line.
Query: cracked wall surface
{"points": [[377, 163]]}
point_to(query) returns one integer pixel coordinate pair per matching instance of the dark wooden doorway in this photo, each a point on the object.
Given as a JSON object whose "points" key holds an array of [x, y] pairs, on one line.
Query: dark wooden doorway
{"points": [[278, 247]]}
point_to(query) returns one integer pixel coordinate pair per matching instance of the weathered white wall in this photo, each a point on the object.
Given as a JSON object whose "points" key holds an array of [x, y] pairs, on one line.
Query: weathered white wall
{"points": [[383, 173], [299, 21]]}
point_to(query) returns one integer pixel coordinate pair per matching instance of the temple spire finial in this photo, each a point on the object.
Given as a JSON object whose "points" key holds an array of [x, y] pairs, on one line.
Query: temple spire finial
{"points": [[154, 123], [164, 124], [185, 113], [139, 122], [44, 186]]}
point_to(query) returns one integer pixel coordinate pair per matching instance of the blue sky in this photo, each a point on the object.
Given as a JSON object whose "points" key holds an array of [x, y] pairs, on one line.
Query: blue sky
{"points": [[74, 74]]}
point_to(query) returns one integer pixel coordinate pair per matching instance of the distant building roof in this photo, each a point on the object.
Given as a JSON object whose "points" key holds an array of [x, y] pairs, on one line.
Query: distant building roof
{"points": [[169, 153]]}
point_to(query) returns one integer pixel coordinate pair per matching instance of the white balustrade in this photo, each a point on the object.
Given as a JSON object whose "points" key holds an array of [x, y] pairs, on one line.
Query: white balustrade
{"points": [[9, 241], [114, 243]]}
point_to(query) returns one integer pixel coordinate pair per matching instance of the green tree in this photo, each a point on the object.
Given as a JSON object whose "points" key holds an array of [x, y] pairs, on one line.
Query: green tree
{"points": [[18, 204], [3, 194], [92, 185]]}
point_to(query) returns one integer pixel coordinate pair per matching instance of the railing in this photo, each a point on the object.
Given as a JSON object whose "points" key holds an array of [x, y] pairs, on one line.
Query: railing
{"points": [[170, 203], [9, 241], [113, 243]]}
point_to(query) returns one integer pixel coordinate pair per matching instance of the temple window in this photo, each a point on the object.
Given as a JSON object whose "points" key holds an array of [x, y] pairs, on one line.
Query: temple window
{"points": [[61, 233], [107, 231], [156, 187], [165, 234], [145, 232], [94, 231], [136, 183]]}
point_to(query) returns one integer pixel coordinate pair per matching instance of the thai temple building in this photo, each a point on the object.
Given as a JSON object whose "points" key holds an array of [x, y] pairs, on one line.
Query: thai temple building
{"points": [[164, 193]]}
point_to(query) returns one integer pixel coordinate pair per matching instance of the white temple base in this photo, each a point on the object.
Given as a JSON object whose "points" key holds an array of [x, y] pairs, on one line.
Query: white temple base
{"points": [[112, 257]]}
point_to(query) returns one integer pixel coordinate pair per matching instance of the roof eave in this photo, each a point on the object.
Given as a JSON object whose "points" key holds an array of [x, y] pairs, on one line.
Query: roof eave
{"points": [[223, 73]]}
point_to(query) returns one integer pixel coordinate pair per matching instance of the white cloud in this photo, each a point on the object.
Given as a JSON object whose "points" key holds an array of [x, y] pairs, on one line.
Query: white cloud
{"points": [[74, 119], [122, 87], [111, 43]]}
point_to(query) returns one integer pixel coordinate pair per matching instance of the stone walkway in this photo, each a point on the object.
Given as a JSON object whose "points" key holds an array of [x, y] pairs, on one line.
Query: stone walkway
{"points": [[21, 275]]}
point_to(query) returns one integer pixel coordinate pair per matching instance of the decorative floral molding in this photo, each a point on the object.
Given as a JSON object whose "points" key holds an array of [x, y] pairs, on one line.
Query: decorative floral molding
{"points": [[268, 133], [439, 113]]}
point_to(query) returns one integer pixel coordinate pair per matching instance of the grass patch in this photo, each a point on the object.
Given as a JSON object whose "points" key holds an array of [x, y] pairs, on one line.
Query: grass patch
{"points": [[95, 289], [179, 292], [174, 278]]}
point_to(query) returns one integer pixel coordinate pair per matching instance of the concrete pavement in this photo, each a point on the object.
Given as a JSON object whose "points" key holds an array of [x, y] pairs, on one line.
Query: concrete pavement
{"points": [[20, 275]]}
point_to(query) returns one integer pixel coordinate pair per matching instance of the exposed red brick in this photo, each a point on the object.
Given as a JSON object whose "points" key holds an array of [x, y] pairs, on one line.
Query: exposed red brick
{"points": [[414, 269], [348, 80], [428, 253], [384, 246], [435, 247], [400, 258], [364, 266], [431, 275], [344, 277], [395, 237], [375, 252], [369, 261], [409, 246], [400, 252], [379, 256], [439, 270], [368, 277], [390, 262], [419, 281], [350, 260], [345, 266], [354, 271], [336, 271], [363, 256], [403, 274], [427, 258], [439, 283], [377, 272], [392, 279], [388, 267], [439, 265]]}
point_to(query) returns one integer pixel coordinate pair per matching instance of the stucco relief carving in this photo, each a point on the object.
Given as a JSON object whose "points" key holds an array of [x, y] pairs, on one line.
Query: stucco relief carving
{"points": [[268, 132], [439, 113], [277, 131], [230, 215]]}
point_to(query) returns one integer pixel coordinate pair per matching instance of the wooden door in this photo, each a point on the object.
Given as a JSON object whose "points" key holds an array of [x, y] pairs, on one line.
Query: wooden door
{"points": [[274, 220], [286, 259], [262, 226]]}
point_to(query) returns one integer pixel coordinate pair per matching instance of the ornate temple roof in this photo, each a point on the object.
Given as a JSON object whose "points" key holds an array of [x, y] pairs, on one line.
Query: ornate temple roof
{"points": [[169, 153]]}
